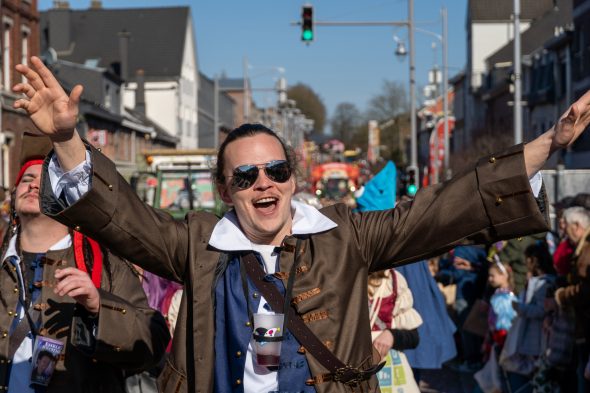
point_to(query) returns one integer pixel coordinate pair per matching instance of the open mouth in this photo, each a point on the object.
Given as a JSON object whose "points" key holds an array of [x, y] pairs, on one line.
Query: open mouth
{"points": [[266, 205]]}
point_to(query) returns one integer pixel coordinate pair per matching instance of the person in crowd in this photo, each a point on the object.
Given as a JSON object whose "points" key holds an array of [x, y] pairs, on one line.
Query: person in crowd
{"points": [[468, 272], [319, 259], [62, 285], [437, 344], [576, 293], [393, 319], [512, 252], [501, 313], [530, 334]]}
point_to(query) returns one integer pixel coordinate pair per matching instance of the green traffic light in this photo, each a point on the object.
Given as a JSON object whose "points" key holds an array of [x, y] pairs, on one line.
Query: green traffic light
{"points": [[307, 35], [411, 189]]}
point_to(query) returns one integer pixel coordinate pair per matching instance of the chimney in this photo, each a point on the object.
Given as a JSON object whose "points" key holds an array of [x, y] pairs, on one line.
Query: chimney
{"points": [[140, 91], [61, 4], [95, 4], [124, 53]]}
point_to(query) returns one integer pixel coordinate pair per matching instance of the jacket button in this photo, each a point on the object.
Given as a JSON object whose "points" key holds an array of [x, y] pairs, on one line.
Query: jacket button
{"points": [[492, 160], [110, 187], [238, 354], [255, 295], [15, 290], [10, 313], [4, 334], [248, 324], [238, 381], [99, 149], [499, 200], [77, 228], [123, 311]]}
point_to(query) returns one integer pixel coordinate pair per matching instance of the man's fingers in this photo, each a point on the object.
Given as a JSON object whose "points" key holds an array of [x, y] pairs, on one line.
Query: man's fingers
{"points": [[22, 103], [75, 97], [24, 88], [46, 75], [79, 292], [33, 78], [61, 273]]}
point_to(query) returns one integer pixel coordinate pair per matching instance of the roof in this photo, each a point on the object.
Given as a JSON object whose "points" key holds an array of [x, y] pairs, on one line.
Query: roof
{"points": [[156, 38], [501, 10], [231, 83], [535, 37], [161, 134], [91, 78]]}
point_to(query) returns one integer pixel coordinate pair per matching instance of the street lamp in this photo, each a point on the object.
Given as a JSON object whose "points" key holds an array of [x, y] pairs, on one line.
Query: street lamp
{"points": [[401, 52]]}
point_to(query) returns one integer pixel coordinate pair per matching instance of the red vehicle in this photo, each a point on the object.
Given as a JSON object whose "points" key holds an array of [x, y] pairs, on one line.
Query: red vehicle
{"points": [[335, 180]]}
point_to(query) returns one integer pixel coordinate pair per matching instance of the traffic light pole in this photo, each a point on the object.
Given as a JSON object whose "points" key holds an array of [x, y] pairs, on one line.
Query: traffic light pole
{"points": [[410, 25]]}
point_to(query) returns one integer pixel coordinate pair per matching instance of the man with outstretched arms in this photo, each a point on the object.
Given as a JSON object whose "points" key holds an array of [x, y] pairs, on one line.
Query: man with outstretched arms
{"points": [[271, 254]]}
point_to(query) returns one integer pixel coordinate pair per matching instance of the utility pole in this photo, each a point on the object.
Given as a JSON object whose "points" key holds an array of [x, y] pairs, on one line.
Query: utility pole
{"points": [[246, 96], [412, 50], [445, 93], [216, 112], [517, 76]]}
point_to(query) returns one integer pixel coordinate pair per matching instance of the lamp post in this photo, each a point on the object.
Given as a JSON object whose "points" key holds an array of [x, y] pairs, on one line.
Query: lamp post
{"points": [[402, 52]]}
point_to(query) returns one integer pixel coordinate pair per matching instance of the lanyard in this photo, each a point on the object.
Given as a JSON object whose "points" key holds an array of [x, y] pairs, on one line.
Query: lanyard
{"points": [[96, 257]]}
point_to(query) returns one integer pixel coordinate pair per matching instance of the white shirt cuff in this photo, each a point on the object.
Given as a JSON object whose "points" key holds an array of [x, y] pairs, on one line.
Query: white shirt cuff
{"points": [[74, 183], [536, 182]]}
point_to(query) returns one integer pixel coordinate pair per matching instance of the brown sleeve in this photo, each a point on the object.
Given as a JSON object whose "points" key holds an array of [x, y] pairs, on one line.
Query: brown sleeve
{"points": [[112, 214], [491, 202]]}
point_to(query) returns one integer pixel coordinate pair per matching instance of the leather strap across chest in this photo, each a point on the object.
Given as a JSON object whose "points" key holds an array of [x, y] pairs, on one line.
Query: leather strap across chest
{"points": [[339, 371]]}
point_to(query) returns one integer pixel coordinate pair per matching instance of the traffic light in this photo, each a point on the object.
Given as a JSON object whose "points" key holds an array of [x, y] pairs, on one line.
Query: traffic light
{"points": [[411, 180], [307, 23]]}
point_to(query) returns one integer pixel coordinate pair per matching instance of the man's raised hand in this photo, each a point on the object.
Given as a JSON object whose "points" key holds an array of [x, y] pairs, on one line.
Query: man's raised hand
{"points": [[572, 123], [47, 104]]}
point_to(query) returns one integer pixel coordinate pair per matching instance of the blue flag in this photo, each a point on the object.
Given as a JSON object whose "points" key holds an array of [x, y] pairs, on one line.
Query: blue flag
{"points": [[379, 193]]}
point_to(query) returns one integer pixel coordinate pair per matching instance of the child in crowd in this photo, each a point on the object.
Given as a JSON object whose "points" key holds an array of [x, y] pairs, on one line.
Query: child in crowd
{"points": [[520, 359], [501, 313]]}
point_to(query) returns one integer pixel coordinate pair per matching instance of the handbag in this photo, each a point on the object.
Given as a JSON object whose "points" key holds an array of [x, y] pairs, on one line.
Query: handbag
{"points": [[488, 378], [396, 375], [477, 319]]}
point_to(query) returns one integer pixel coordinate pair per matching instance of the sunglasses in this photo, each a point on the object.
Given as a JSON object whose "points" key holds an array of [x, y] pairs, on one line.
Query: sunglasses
{"points": [[245, 176]]}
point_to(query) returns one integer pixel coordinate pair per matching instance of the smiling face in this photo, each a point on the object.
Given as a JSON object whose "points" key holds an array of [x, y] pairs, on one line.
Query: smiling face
{"points": [[264, 209], [27, 192]]}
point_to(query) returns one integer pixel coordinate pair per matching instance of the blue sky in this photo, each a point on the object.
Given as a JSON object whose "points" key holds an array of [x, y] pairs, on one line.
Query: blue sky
{"points": [[343, 64]]}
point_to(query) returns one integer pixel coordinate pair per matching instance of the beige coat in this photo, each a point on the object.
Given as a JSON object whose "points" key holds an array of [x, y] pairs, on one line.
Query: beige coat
{"points": [[493, 201]]}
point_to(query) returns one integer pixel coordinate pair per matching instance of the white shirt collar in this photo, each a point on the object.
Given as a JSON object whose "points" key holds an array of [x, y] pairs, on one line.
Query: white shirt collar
{"points": [[228, 236], [60, 245]]}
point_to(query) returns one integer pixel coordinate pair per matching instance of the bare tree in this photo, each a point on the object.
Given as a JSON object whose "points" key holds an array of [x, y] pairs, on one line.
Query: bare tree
{"points": [[310, 104], [346, 121], [389, 103]]}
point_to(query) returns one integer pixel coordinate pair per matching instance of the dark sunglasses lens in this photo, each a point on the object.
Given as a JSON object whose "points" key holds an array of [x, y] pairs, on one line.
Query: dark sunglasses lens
{"points": [[278, 171], [244, 176]]}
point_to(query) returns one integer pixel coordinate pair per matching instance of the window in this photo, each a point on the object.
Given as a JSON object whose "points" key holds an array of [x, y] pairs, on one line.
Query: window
{"points": [[6, 64], [26, 33]]}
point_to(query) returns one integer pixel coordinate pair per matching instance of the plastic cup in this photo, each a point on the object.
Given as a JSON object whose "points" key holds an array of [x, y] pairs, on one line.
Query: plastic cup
{"points": [[268, 325]]}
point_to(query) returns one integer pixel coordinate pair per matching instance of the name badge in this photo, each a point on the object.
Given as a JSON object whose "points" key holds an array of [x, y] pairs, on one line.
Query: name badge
{"points": [[46, 351]]}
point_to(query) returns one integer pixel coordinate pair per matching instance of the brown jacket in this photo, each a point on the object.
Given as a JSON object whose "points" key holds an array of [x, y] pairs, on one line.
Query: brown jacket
{"points": [[130, 336], [493, 201]]}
